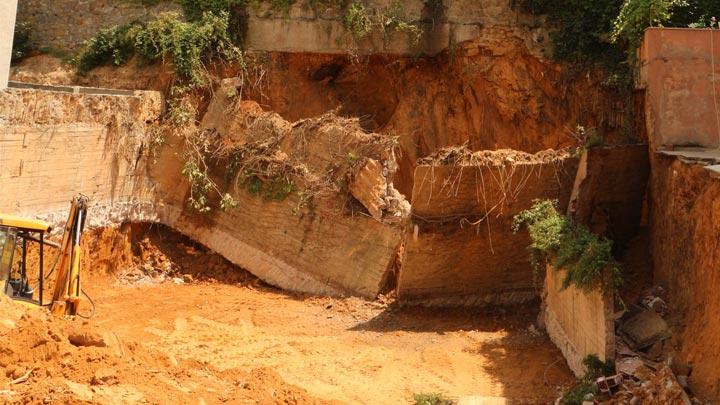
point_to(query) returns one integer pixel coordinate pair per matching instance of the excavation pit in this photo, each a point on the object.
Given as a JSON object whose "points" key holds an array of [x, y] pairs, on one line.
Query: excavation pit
{"points": [[223, 334]]}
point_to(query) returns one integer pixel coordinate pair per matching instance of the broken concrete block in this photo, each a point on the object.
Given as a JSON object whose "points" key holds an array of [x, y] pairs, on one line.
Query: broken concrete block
{"points": [[644, 329], [464, 251], [296, 225], [369, 186]]}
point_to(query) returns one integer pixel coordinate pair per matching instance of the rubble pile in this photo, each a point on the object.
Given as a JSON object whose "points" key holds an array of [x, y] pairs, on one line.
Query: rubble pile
{"points": [[167, 256], [648, 368]]}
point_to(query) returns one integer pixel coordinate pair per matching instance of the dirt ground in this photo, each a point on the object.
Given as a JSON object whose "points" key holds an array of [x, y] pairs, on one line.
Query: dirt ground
{"points": [[234, 340]]}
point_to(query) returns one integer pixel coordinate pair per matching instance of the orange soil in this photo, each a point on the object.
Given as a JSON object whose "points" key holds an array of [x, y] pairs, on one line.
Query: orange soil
{"points": [[236, 342]]}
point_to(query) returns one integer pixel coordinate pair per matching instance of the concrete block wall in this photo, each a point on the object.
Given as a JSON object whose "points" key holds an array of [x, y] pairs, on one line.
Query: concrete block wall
{"points": [[579, 323]]}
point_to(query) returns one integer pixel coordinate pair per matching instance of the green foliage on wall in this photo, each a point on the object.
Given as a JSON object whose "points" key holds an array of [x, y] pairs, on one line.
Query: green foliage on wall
{"points": [[186, 45], [566, 245], [608, 31]]}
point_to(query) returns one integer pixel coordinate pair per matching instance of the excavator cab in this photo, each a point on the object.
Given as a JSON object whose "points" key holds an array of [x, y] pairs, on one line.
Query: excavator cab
{"points": [[16, 235]]}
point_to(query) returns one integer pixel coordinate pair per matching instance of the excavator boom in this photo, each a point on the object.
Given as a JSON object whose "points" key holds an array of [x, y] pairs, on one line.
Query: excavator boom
{"points": [[66, 294]]}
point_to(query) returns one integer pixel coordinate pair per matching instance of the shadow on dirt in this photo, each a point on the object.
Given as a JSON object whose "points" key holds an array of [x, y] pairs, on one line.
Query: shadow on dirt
{"points": [[422, 319]]}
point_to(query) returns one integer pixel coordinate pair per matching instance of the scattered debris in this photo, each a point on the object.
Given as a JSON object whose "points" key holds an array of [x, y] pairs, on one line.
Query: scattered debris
{"points": [[607, 385], [650, 371], [104, 376], [22, 378]]}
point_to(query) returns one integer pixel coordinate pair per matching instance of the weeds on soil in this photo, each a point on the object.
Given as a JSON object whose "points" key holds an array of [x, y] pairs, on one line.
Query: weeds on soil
{"points": [[555, 239], [432, 398]]}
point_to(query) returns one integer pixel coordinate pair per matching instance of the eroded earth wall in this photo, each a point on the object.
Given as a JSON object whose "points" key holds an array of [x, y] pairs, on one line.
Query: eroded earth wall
{"points": [[685, 224]]}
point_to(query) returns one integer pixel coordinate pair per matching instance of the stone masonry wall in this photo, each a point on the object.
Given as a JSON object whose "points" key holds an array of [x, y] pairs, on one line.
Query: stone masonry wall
{"points": [[65, 24]]}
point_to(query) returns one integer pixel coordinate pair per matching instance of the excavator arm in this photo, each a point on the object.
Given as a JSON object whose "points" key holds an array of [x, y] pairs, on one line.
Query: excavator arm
{"points": [[67, 290]]}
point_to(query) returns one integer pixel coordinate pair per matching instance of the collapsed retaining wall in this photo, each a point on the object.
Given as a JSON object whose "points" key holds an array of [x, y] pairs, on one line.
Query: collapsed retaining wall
{"points": [[461, 249], [56, 144]]}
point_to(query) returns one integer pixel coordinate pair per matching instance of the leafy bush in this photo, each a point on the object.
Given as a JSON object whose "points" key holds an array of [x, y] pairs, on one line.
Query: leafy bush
{"points": [[185, 44], [114, 45], [195, 9], [583, 27], [358, 21], [609, 31], [636, 15], [554, 238], [22, 44]]}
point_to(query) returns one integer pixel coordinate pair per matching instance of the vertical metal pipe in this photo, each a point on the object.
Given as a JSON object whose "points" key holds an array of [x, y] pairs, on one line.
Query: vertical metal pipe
{"points": [[23, 266]]}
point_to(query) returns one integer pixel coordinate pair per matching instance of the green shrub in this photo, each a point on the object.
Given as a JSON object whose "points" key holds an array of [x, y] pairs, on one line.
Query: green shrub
{"points": [[555, 239], [114, 45], [362, 21], [607, 32], [594, 368], [185, 44], [636, 15], [22, 44], [195, 9], [357, 20]]}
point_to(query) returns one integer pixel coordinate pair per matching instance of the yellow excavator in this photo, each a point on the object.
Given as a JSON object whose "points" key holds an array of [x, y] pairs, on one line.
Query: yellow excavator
{"points": [[16, 235]]}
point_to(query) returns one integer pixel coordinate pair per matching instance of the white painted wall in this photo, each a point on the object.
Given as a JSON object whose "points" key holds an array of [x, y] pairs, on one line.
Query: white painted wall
{"points": [[8, 10]]}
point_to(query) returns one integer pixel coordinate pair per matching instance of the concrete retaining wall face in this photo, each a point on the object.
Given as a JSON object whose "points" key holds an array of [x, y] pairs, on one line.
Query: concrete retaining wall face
{"points": [[54, 145], [678, 77], [609, 190], [579, 323]]}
